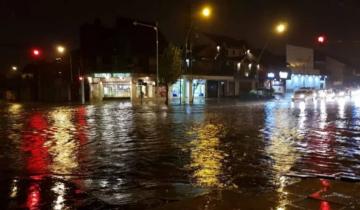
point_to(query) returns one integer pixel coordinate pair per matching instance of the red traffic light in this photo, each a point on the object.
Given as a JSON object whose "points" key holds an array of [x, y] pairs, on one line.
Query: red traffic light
{"points": [[36, 52], [321, 39], [81, 78]]}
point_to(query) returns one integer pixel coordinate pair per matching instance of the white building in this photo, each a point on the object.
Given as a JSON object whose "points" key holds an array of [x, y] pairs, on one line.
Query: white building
{"points": [[301, 63], [120, 85]]}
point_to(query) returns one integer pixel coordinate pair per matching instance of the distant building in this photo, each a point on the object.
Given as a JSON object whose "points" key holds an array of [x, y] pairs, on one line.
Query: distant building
{"points": [[119, 61], [45, 81], [339, 71], [221, 66], [303, 74], [276, 72]]}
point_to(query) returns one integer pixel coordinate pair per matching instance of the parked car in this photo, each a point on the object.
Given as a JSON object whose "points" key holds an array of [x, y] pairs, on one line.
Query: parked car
{"points": [[342, 92], [304, 95], [321, 94]]}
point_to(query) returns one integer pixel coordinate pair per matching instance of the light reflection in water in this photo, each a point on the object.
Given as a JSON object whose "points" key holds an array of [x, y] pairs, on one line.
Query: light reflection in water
{"points": [[302, 116], [282, 137], [341, 113], [323, 114], [34, 144], [320, 151], [59, 191], [62, 147], [33, 199], [15, 109], [15, 121], [206, 158], [341, 107], [14, 188]]}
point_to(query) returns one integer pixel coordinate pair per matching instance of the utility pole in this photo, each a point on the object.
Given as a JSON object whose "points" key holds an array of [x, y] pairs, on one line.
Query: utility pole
{"points": [[156, 29]]}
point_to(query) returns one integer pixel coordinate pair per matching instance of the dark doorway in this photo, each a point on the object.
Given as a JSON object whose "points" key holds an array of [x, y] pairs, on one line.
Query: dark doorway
{"points": [[212, 89]]}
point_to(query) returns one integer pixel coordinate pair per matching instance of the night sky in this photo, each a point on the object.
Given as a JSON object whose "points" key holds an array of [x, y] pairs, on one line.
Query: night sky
{"points": [[44, 23]]}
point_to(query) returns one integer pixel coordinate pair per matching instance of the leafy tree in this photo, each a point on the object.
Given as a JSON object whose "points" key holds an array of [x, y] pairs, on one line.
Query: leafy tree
{"points": [[170, 66]]}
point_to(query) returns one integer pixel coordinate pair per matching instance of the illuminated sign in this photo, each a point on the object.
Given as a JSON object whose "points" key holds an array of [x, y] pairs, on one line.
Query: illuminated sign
{"points": [[271, 75], [283, 74], [120, 75], [102, 75], [109, 75]]}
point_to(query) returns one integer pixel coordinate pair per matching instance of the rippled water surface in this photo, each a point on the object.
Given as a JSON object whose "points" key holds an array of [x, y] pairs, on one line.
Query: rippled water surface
{"points": [[140, 157]]}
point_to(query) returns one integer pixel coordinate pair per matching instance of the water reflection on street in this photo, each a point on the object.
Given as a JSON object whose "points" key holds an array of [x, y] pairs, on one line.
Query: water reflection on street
{"points": [[142, 157]]}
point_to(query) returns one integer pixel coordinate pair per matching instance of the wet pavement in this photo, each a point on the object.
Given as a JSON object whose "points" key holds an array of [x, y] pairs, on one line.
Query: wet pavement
{"points": [[214, 155]]}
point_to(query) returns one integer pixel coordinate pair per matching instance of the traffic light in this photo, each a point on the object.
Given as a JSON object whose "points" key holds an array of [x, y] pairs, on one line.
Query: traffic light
{"points": [[321, 39], [36, 52]]}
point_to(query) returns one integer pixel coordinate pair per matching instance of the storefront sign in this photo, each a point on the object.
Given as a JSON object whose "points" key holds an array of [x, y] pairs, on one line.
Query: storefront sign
{"points": [[271, 75], [109, 75], [121, 75], [102, 75], [283, 74]]}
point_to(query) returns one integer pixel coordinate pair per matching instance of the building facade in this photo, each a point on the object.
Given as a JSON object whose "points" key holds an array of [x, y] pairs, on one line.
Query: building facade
{"points": [[221, 67], [303, 74], [118, 62]]}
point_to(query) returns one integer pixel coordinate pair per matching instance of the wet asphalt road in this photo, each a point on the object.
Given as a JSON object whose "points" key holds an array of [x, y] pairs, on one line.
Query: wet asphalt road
{"points": [[123, 156]]}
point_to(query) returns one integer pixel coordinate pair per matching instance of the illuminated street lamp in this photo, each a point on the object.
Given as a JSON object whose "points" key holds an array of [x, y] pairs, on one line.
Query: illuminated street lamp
{"points": [[205, 12], [281, 28], [14, 68], [156, 29], [60, 49]]}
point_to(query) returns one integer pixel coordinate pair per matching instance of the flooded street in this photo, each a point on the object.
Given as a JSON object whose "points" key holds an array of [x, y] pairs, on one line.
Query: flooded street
{"points": [[123, 156]]}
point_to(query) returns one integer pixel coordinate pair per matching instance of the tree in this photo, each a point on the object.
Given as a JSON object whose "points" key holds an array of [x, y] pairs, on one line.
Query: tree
{"points": [[170, 67]]}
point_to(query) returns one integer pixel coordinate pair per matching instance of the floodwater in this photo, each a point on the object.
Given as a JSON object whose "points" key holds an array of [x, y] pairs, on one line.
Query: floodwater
{"points": [[123, 156]]}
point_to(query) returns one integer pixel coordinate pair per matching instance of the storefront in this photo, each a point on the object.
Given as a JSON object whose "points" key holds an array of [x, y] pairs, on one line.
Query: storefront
{"points": [[182, 88], [114, 85], [277, 81], [298, 81], [145, 88], [120, 86]]}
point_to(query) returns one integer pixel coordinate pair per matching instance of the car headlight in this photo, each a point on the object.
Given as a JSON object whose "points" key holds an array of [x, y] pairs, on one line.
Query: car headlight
{"points": [[342, 93], [302, 96], [322, 94]]}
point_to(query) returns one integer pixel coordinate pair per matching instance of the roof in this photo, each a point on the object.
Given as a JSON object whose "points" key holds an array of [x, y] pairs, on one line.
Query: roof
{"points": [[229, 41]]}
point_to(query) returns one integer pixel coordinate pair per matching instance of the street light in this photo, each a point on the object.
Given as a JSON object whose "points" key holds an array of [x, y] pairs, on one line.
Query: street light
{"points": [[60, 49], [14, 68], [36, 52], [206, 13], [281, 28], [156, 29], [321, 39]]}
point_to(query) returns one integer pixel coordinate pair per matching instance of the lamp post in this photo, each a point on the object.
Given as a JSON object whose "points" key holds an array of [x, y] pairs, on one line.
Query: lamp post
{"points": [[156, 28], [279, 29], [205, 12], [61, 50], [14, 68]]}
